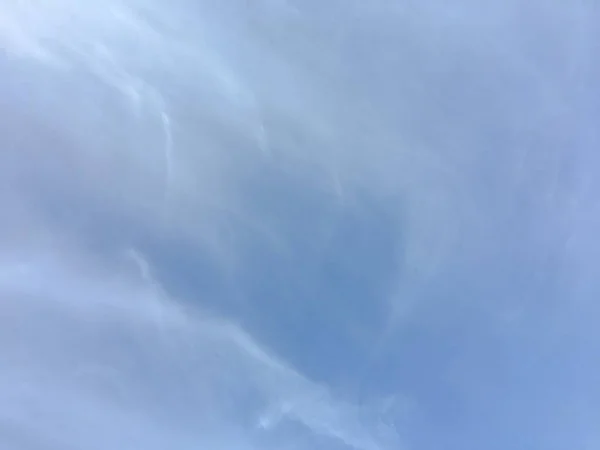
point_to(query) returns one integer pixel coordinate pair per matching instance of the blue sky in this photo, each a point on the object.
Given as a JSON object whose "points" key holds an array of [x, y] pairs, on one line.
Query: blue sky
{"points": [[299, 225]]}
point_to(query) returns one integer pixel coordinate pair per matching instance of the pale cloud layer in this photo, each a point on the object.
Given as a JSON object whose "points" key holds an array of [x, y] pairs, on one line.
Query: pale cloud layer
{"points": [[298, 224], [92, 360]]}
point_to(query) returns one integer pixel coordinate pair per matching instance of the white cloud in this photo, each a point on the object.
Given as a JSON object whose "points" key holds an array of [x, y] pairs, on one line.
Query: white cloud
{"points": [[92, 358], [126, 119]]}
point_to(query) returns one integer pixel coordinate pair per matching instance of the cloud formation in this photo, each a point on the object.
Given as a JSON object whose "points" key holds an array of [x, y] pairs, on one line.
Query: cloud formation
{"points": [[295, 224]]}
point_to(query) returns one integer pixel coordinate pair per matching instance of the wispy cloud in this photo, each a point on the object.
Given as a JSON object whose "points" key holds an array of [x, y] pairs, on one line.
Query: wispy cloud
{"points": [[93, 358], [179, 180]]}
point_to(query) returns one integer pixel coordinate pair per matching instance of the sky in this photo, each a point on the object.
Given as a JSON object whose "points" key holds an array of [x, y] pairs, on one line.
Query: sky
{"points": [[299, 224]]}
